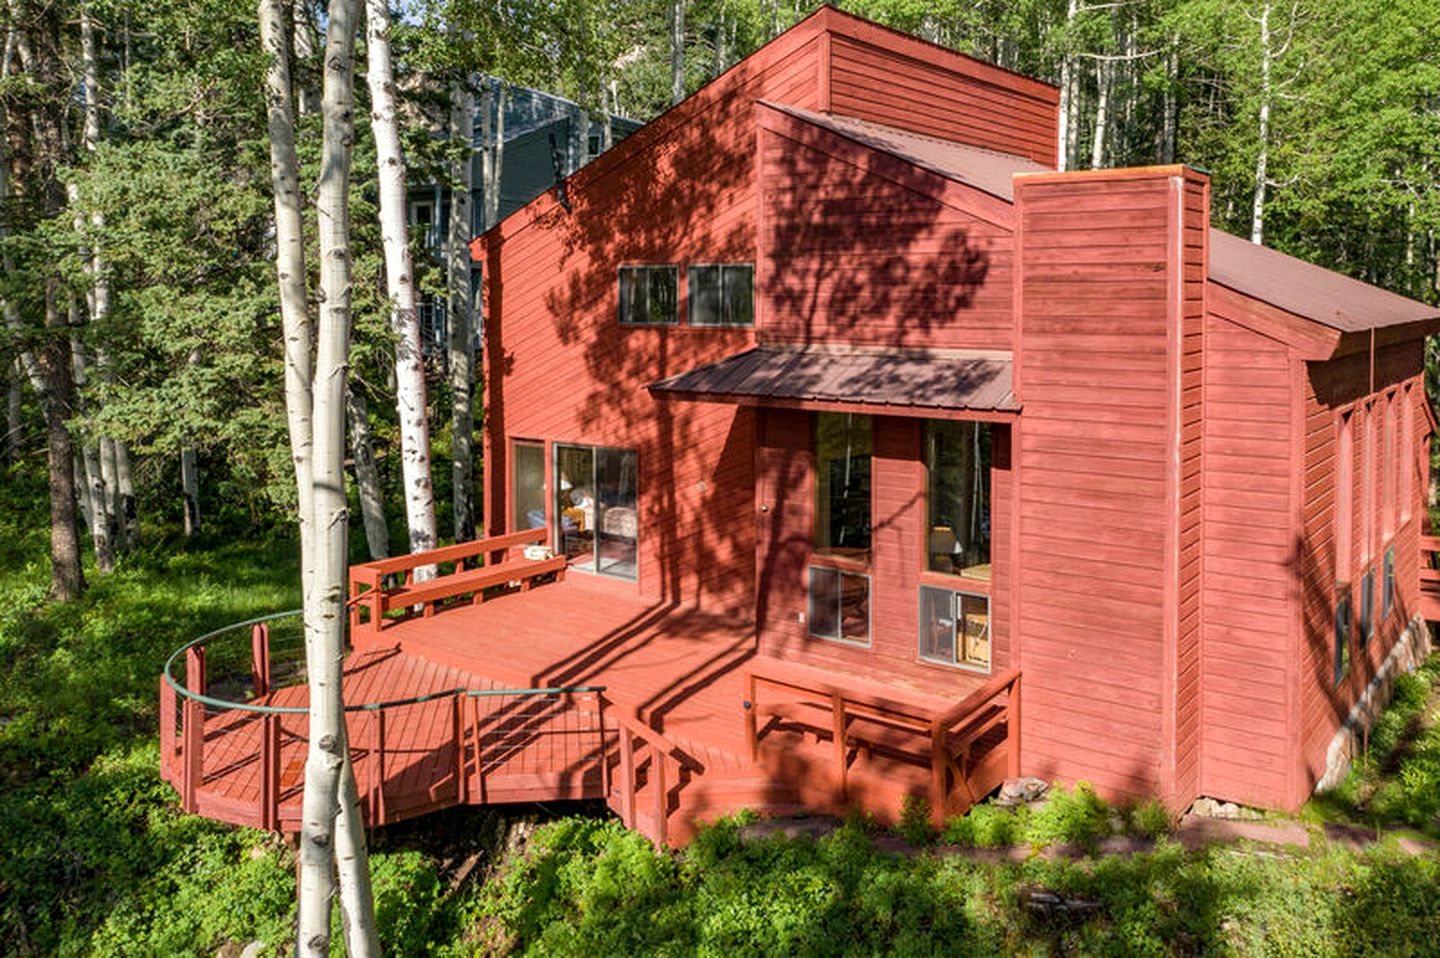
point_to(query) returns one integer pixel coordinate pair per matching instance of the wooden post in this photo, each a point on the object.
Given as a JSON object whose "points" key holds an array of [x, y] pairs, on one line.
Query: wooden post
{"points": [[627, 777], [379, 768], [458, 722], [603, 748], [260, 658], [479, 752], [270, 772], [937, 775], [195, 669], [1012, 729], [167, 727], [193, 752], [842, 753], [752, 734], [662, 794]]}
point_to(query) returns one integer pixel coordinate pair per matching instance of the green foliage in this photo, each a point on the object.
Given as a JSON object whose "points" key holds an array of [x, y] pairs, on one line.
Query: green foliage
{"points": [[1077, 815], [1150, 818], [914, 825], [987, 826]]}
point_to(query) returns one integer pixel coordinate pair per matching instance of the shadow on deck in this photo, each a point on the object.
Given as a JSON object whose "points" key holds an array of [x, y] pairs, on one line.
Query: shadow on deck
{"points": [[569, 690]]}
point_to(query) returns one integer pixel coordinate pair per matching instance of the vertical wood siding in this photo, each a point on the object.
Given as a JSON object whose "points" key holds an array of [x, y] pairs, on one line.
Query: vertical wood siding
{"points": [[1329, 388], [866, 249], [1095, 371]]}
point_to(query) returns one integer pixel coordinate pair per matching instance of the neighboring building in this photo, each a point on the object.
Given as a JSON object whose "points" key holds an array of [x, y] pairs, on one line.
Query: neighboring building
{"points": [[543, 133], [887, 463]]}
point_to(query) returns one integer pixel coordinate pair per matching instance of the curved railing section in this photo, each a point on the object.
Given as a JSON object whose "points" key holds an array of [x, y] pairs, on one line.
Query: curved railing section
{"points": [[233, 733]]}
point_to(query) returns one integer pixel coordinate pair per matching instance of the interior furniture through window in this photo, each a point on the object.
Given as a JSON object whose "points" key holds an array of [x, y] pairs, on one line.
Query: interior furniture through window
{"points": [[649, 295], [596, 509], [957, 467], [720, 294], [527, 497], [954, 627]]}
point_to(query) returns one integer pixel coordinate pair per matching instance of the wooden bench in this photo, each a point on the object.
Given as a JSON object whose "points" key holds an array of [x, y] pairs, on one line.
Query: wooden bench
{"points": [[367, 581]]}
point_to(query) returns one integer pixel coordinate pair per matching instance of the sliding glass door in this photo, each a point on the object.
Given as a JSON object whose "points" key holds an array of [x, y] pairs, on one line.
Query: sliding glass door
{"points": [[596, 505]]}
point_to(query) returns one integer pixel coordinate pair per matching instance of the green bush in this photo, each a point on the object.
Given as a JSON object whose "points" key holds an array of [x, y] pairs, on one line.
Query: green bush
{"points": [[1077, 815], [914, 825], [987, 826], [1150, 819]]}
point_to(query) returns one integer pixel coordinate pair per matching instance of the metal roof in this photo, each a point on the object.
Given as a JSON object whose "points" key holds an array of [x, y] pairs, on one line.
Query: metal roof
{"points": [[1318, 294], [931, 379]]}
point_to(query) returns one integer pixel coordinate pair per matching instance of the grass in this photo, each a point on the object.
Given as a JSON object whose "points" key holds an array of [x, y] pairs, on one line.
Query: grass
{"points": [[96, 858]]}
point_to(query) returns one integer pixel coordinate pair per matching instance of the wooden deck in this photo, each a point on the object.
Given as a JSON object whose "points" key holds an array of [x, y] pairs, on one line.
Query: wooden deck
{"points": [[671, 721]]}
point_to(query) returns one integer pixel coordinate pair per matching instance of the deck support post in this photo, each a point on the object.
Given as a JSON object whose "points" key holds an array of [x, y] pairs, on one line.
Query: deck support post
{"points": [[662, 794], [167, 727], [195, 669], [937, 775], [627, 777], [193, 751], [842, 751], [603, 750], [458, 725], [752, 732], [260, 658], [1012, 729], [379, 805], [270, 772]]}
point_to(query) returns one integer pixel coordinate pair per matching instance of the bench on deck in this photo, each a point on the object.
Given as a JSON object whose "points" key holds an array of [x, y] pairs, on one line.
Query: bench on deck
{"points": [[858, 714], [367, 580]]}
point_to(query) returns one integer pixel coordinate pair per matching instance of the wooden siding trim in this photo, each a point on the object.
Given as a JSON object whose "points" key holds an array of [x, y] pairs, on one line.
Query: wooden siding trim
{"points": [[859, 408], [1309, 339], [827, 71], [1174, 319], [1295, 634]]}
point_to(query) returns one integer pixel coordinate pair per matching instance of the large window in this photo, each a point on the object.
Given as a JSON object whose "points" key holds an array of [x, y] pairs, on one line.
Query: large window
{"points": [[596, 509], [721, 295], [527, 464], [648, 295], [839, 605], [843, 445], [957, 465], [954, 628]]}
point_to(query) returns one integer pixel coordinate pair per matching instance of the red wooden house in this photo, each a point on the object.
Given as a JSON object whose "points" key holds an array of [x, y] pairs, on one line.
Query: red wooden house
{"points": [[853, 419]]}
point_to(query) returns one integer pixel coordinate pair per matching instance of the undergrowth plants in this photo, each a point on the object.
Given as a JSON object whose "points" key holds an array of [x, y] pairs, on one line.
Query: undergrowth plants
{"points": [[1076, 816]]}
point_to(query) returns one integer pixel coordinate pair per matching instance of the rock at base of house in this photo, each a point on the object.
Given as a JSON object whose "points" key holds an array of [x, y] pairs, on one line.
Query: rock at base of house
{"points": [[1229, 811], [1021, 791]]}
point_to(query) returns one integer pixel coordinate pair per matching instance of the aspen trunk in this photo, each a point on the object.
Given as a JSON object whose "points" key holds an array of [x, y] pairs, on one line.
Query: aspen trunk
{"points": [[1102, 113], [492, 152], [1065, 129], [677, 51], [13, 410], [326, 766], [1170, 103], [367, 476], [190, 490], [462, 353], [400, 287], [96, 497], [1262, 158]]}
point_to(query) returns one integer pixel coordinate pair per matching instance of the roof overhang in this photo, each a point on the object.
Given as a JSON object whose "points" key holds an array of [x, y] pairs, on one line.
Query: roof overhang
{"points": [[933, 383]]}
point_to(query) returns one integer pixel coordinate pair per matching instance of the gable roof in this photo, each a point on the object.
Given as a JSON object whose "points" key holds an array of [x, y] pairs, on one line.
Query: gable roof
{"points": [[1313, 292]]}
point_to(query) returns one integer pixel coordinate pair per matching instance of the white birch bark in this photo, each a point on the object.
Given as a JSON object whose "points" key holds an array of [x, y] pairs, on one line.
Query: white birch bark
{"points": [[326, 767], [677, 51], [410, 402], [1262, 157], [1064, 132], [1102, 113], [458, 313], [367, 476], [96, 499], [13, 410]]}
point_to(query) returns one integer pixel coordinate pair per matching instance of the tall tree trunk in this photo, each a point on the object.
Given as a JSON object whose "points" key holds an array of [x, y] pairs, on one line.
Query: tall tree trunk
{"points": [[367, 476], [1262, 156], [303, 41], [1103, 71], [400, 287], [1065, 130], [190, 489], [96, 496], [327, 768], [1170, 103], [677, 51], [13, 410], [492, 151], [462, 352]]}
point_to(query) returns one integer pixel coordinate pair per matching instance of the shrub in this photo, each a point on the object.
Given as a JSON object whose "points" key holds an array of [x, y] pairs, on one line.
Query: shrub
{"points": [[1078, 816], [914, 824], [987, 826], [1150, 818]]}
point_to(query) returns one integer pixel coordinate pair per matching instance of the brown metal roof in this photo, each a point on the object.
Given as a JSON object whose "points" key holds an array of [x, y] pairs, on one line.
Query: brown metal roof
{"points": [[1318, 294], [931, 379]]}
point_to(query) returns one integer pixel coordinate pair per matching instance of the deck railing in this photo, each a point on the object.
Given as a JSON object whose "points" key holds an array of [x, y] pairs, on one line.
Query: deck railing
{"points": [[948, 740], [252, 751]]}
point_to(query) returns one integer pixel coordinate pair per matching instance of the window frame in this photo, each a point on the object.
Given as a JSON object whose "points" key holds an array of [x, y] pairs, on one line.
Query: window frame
{"points": [[927, 529], [829, 557], [646, 269], [1366, 626], [724, 322], [840, 574], [545, 498], [1343, 616], [556, 531], [955, 596], [1387, 584]]}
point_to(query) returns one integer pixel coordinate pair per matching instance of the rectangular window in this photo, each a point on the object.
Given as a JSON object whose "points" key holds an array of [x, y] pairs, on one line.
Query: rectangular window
{"points": [[423, 223], [1345, 498], [597, 509], [954, 628], [957, 468], [527, 495], [648, 295], [721, 295], [1342, 634], [1367, 606], [843, 446], [839, 605], [1387, 601]]}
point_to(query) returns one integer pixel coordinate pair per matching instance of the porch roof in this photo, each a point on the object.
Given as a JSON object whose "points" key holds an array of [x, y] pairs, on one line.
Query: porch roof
{"points": [[927, 379]]}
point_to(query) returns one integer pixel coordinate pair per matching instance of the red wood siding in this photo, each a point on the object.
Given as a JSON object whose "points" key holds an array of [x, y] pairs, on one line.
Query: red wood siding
{"points": [[1099, 448], [560, 368], [1190, 275], [785, 475], [1328, 389], [913, 90], [867, 249], [1248, 556]]}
